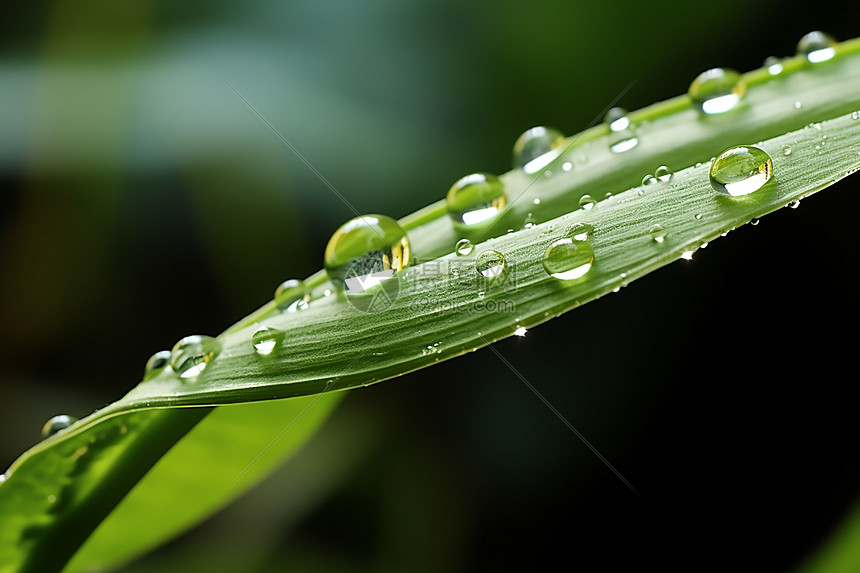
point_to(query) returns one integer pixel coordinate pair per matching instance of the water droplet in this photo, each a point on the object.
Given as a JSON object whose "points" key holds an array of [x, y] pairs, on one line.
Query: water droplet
{"points": [[520, 331], [698, 216], [798, 104], [476, 199], [289, 293], [265, 340], [586, 202], [579, 231], [717, 90], [191, 355], [490, 263], [529, 222], [786, 150], [658, 233], [536, 201], [481, 294], [687, 255], [649, 180], [156, 363], [537, 147], [794, 204], [365, 252], [773, 65], [566, 166], [464, 247], [56, 424], [663, 173], [568, 259], [622, 134], [753, 222], [703, 246], [817, 47], [741, 170], [327, 292], [855, 115], [640, 192], [2, 478]]}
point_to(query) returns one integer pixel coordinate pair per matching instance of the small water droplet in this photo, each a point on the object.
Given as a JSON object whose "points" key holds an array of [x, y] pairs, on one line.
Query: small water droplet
{"points": [[365, 252], [649, 180], [786, 150], [579, 231], [476, 199], [481, 294], [817, 47], [156, 363], [773, 65], [536, 201], [265, 339], [663, 173], [289, 293], [464, 247], [658, 233], [191, 355], [568, 259], [56, 424], [815, 125], [327, 292], [566, 166], [717, 90], [794, 204], [537, 147], [741, 170], [687, 255], [520, 331], [698, 216], [586, 202], [855, 115], [640, 192], [490, 263], [798, 104], [703, 246], [622, 133]]}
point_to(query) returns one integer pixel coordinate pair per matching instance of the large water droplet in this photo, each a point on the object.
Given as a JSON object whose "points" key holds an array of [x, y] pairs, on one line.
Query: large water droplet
{"points": [[586, 202], [490, 263], [366, 251], [265, 340], [476, 199], [156, 363], [56, 424], [464, 247], [663, 173], [568, 259], [622, 133], [537, 147], [717, 90], [191, 355], [741, 170], [579, 231], [817, 47]]}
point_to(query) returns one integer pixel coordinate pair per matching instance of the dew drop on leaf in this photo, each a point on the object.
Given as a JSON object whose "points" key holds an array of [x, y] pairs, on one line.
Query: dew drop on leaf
{"points": [[817, 47], [191, 355], [717, 90], [586, 202], [622, 134], [464, 247], [663, 173], [56, 424], [476, 199], [568, 259], [658, 233], [741, 170], [537, 147], [265, 339], [490, 263], [156, 363]]}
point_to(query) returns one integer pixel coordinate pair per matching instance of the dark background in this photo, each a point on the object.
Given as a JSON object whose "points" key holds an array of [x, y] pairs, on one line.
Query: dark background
{"points": [[142, 201]]}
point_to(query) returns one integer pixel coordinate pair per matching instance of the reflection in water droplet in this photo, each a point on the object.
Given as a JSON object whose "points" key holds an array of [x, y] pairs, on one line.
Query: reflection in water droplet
{"points": [[265, 340], [773, 65], [586, 202], [741, 170], [658, 233], [365, 252], [537, 147], [663, 173], [464, 247], [490, 263], [191, 355], [56, 424], [717, 90], [156, 363], [568, 259], [817, 47], [476, 199]]}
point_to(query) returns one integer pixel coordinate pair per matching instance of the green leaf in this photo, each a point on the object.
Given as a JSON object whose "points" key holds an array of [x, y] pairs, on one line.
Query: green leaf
{"points": [[57, 492]]}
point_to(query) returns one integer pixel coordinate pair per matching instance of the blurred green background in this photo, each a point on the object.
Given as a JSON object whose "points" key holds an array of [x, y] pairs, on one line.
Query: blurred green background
{"points": [[143, 201]]}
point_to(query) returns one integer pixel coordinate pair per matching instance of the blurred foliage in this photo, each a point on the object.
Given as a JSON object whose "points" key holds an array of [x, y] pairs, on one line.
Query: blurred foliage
{"points": [[142, 201]]}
